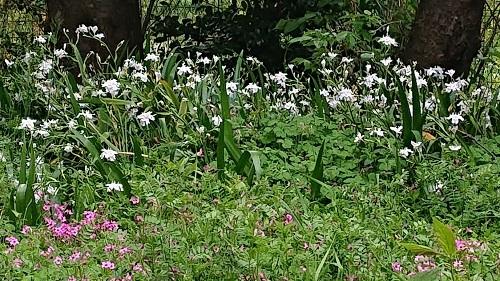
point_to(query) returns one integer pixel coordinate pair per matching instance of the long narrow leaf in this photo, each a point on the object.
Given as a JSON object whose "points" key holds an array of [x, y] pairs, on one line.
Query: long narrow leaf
{"points": [[317, 174]]}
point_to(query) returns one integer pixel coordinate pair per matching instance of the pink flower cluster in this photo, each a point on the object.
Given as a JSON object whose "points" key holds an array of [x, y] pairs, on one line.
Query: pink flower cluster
{"points": [[12, 241], [424, 263], [57, 223]]}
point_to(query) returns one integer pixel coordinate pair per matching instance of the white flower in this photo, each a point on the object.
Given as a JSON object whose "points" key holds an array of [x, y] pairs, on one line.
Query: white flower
{"points": [[386, 62], [68, 148], [8, 63], [345, 94], [99, 36], [405, 152], [455, 86], [28, 123], [72, 124], [217, 120], [184, 69], [60, 53], [140, 76], [438, 187], [45, 66], [416, 145], [82, 29], [455, 147], [114, 186], [145, 118], [388, 41], [378, 132], [455, 118], [231, 88], [346, 60], [397, 130], [359, 138], [87, 115], [205, 60], [41, 133], [40, 39], [252, 88], [111, 86], [152, 57], [108, 154]]}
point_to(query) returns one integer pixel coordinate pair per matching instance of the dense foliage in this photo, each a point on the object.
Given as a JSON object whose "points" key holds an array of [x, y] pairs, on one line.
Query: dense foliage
{"points": [[201, 163]]}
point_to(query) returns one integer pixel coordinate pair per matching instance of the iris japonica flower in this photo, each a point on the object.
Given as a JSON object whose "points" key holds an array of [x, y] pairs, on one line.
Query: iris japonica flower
{"points": [[217, 120], [145, 118], [110, 187], [388, 41], [108, 154], [455, 118]]}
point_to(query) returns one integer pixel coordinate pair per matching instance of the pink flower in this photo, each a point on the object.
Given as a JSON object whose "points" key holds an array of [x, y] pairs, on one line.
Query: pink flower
{"points": [[135, 200], [137, 267], [125, 250], [288, 219], [48, 252], [109, 225], [396, 267], [306, 246], [460, 245], [26, 230], [200, 153], [108, 265], [75, 256], [13, 242], [71, 278], [108, 248], [139, 219], [88, 217], [458, 265], [58, 260], [17, 263]]}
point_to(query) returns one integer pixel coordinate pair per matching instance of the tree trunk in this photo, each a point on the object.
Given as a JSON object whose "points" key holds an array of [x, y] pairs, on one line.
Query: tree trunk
{"points": [[446, 33], [117, 19]]}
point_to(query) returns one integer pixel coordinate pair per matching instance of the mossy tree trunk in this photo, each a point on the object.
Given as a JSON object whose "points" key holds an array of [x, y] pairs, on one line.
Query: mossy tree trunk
{"points": [[117, 19], [446, 33]]}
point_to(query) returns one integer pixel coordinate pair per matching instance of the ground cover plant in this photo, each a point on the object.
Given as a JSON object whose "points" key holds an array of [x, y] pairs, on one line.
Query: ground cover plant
{"points": [[173, 167]]}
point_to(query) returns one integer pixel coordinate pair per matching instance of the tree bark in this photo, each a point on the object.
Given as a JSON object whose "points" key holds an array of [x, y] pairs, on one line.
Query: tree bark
{"points": [[446, 33], [117, 19]]}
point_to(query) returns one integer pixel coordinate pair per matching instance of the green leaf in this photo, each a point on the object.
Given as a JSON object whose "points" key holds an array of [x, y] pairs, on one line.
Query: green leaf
{"points": [[138, 158], [420, 249], [405, 114], [417, 110], [322, 264], [5, 100], [431, 275], [445, 237], [317, 174], [221, 162]]}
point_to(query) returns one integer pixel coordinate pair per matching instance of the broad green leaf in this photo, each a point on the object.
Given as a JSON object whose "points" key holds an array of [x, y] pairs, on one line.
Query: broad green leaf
{"points": [[420, 249], [445, 237], [431, 275]]}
